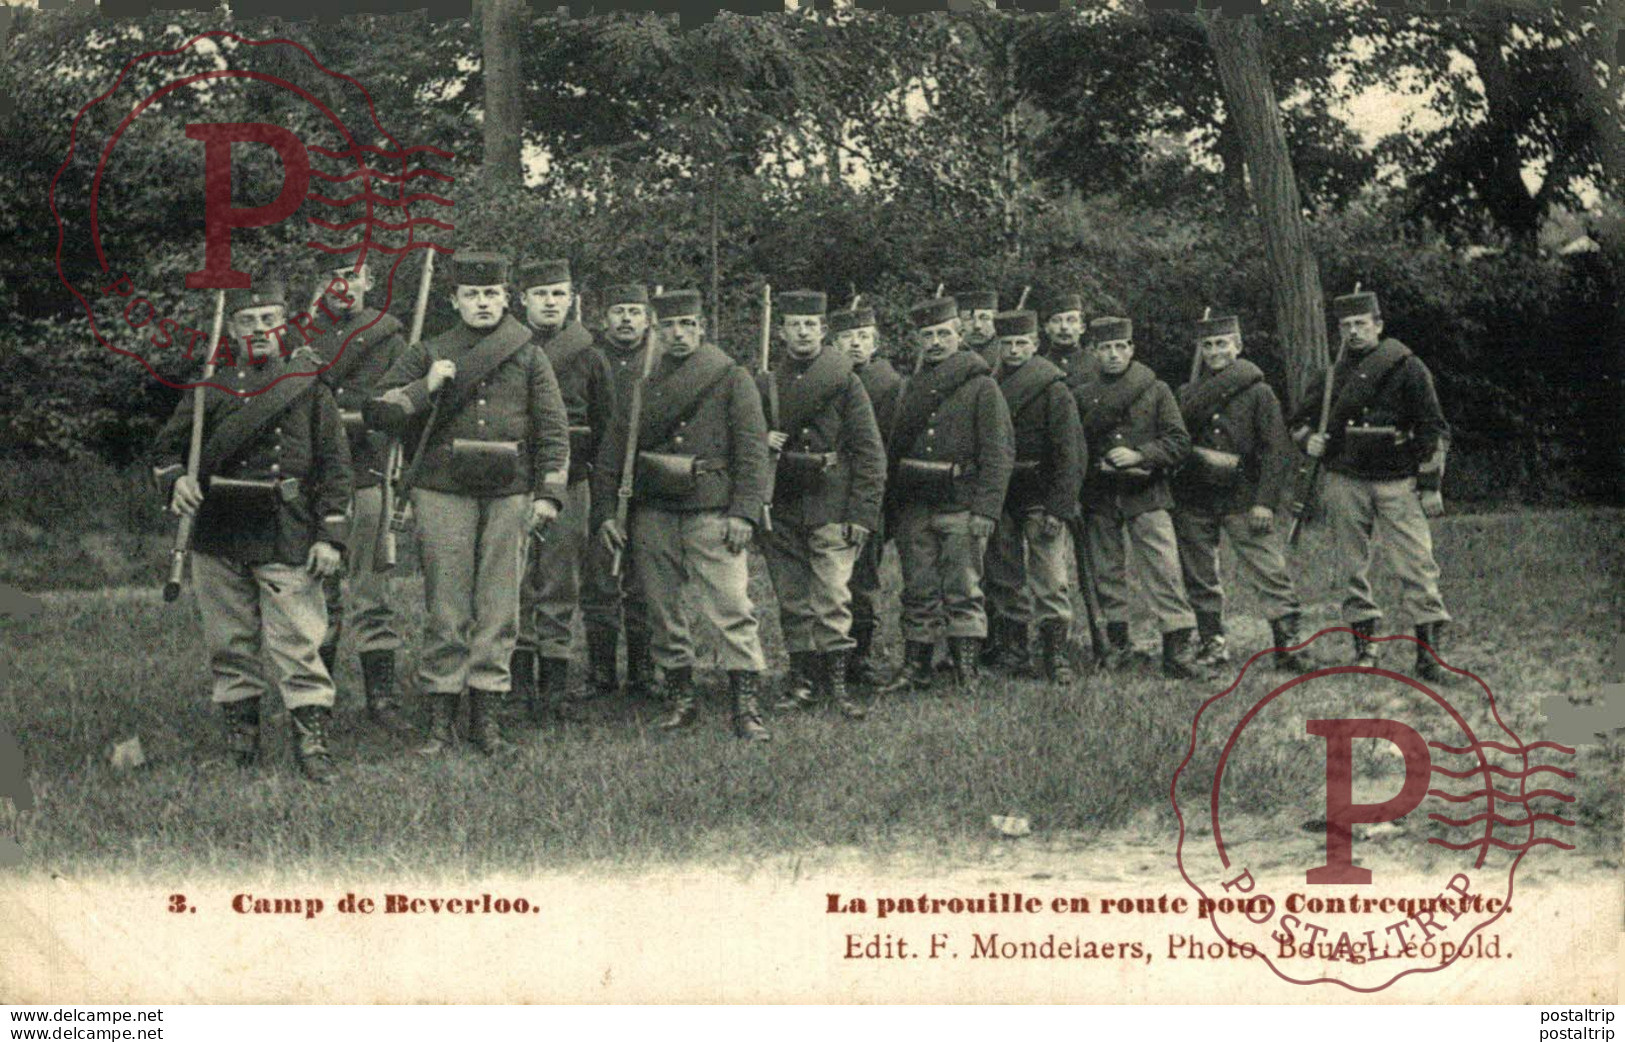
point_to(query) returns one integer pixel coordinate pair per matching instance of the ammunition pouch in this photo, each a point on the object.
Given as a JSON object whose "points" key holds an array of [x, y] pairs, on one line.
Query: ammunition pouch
{"points": [[1126, 480], [1026, 486], [484, 467], [801, 473], [928, 481], [241, 506], [1374, 447], [1213, 469], [670, 475]]}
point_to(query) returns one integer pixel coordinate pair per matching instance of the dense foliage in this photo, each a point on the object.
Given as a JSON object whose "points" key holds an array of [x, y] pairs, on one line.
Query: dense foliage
{"points": [[856, 152]]}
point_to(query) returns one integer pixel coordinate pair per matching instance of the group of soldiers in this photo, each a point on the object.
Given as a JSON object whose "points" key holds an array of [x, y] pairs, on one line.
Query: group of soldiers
{"points": [[624, 475]]}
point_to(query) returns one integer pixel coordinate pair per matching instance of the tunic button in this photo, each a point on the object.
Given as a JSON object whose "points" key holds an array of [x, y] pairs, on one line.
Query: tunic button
{"points": [[481, 422], [931, 430], [482, 401], [277, 431], [276, 468], [678, 440]]}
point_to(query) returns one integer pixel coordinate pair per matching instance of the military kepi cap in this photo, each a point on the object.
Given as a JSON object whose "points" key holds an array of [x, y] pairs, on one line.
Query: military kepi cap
{"points": [[1104, 330], [1218, 325], [1351, 305], [266, 290], [543, 272], [862, 318], [629, 293], [1015, 323], [933, 312], [1060, 303], [679, 303], [803, 302], [977, 300], [479, 268]]}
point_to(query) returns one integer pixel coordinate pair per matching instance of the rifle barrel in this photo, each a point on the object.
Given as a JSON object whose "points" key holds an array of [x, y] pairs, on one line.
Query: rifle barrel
{"points": [[194, 455]]}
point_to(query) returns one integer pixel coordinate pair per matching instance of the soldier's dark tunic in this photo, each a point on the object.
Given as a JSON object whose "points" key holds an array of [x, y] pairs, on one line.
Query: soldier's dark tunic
{"points": [[1233, 411], [826, 413], [1385, 424], [951, 414], [552, 586], [361, 346], [1137, 411], [473, 507], [248, 562], [1027, 569], [604, 597], [707, 408]]}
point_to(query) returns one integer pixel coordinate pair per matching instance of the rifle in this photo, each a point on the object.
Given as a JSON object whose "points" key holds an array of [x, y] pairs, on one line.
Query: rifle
{"points": [[194, 457], [629, 458], [770, 390], [1303, 489], [383, 543]]}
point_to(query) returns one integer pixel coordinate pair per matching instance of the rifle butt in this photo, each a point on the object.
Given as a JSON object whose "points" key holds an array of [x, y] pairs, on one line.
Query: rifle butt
{"points": [[177, 559]]}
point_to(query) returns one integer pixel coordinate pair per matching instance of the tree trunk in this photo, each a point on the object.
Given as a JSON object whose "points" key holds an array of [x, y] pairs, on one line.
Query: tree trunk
{"points": [[1234, 175], [502, 24], [1010, 152], [1505, 195], [1300, 317]]}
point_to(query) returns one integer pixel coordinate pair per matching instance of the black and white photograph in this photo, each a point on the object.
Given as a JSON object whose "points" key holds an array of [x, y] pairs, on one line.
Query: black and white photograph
{"points": [[1117, 505]]}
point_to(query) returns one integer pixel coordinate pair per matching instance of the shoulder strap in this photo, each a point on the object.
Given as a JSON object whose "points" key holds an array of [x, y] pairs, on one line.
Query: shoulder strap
{"points": [[659, 424], [1023, 393], [238, 429], [1376, 368], [496, 348]]}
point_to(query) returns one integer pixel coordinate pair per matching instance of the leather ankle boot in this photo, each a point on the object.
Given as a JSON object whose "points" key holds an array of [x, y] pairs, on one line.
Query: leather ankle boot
{"points": [[748, 724], [680, 695], [378, 676], [310, 743]]}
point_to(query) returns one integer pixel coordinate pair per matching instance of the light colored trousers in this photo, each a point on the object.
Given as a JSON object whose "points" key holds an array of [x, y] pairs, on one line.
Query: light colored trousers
{"points": [[473, 553], [1262, 563], [1028, 573], [362, 596], [811, 569], [682, 554], [1365, 514], [274, 609], [1156, 556], [551, 592], [942, 574]]}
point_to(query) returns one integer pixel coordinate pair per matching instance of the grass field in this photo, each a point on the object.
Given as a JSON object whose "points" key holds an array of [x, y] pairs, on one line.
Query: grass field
{"points": [[1536, 595]]}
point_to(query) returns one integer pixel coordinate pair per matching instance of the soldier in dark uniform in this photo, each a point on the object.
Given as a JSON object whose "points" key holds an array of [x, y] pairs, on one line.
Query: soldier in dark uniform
{"points": [[358, 346], [1136, 438], [701, 479], [951, 454], [494, 470], [826, 502], [1063, 345], [856, 334], [610, 603], [1384, 456], [270, 504], [1027, 580], [551, 591], [976, 310], [1233, 483]]}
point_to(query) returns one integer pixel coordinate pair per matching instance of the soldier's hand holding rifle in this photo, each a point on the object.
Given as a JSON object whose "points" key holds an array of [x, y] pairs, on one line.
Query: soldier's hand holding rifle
{"points": [[323, 560], [543, 512], [188, 496], [737, 534], [441, 372]]}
